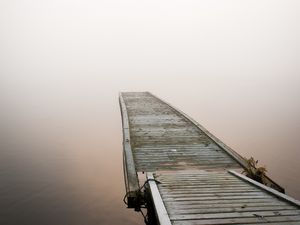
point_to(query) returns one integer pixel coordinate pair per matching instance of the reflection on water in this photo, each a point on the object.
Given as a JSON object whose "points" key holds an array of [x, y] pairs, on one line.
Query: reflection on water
{"points": [[64, 171]]}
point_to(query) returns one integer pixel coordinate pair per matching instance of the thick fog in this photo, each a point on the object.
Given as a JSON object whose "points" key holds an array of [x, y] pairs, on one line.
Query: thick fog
{"points": [[234, 66]]}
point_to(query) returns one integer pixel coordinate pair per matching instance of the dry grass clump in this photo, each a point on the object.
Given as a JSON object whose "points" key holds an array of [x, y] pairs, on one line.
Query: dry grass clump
{"points": [[253, 171]]}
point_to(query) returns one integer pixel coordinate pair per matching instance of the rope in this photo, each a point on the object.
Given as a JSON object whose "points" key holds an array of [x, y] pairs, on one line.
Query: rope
{"points": [[147, 181], [141, 201], [140, 189]]}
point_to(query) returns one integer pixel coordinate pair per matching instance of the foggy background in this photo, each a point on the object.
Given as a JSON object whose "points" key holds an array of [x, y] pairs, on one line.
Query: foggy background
{"points": [[234, 66]]}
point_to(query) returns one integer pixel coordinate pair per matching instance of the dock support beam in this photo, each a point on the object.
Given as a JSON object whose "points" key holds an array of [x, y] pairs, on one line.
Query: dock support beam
{"points": [[130, 174]]}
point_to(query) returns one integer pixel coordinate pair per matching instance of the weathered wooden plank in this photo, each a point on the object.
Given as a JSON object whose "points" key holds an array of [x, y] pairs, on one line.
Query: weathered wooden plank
{"points": [[216, 179], [174, 207], [285, 220], [270, 190], [230, 209], [217, 198], [170, 166], [220, 194], [235, 215], [161, 212], [226, 201], [202, 195], [202, 181], [208, 191], [208, 186], [200, 146], [130, 174]]}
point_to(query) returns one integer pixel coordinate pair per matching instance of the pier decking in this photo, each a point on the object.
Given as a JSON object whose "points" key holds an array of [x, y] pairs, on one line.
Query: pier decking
{"points": [[193, 177]]}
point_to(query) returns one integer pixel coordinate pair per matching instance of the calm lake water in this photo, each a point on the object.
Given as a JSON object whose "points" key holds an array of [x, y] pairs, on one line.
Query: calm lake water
{"points": [[231, 65], [62, 164]]}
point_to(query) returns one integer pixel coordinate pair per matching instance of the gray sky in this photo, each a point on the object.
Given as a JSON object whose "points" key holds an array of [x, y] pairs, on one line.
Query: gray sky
{"points": [[234, 55]]}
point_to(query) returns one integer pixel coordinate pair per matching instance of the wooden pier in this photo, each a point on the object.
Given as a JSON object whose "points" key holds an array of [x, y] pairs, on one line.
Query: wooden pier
{"points": [[192, 177]]}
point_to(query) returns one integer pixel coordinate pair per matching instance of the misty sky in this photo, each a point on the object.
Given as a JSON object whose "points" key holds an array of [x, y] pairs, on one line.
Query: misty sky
{"points": [[147, 44], [232, 65], [235, 57]]}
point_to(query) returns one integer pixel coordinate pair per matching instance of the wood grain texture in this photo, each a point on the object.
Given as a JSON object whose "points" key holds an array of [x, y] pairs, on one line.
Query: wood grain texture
{"points": [[191, 197], [163, 139], [192, 167]]}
